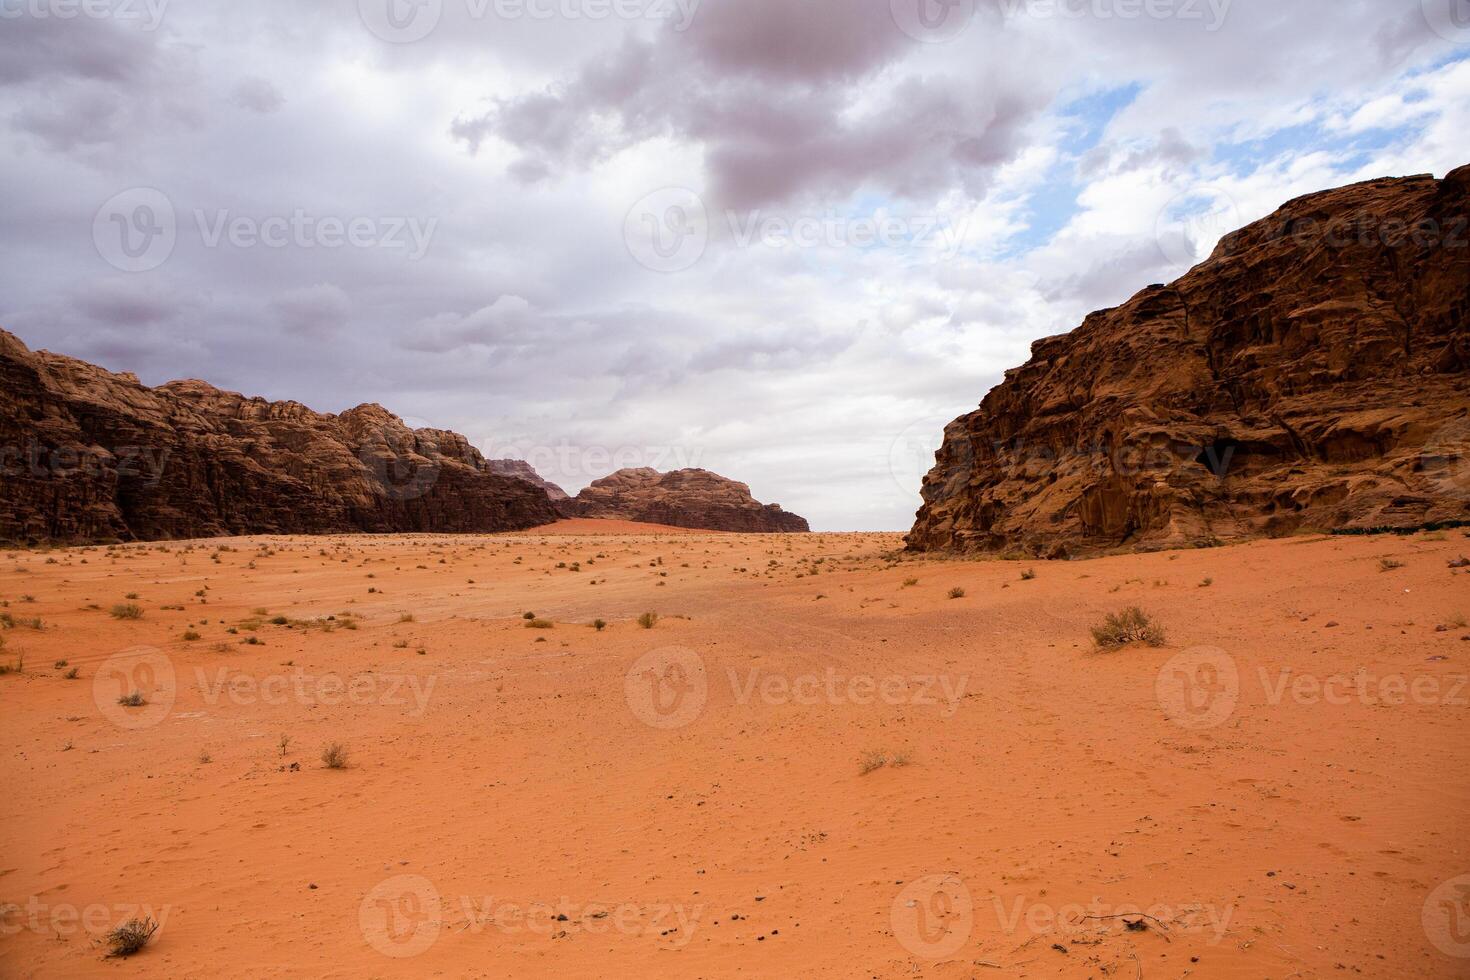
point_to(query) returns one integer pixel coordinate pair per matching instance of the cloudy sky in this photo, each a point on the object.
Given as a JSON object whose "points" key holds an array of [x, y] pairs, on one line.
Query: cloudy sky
{"points": [[785, 240]]}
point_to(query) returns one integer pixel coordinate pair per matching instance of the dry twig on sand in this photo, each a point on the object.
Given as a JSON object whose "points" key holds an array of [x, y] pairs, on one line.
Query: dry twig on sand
{"points": [[1163, 929]]}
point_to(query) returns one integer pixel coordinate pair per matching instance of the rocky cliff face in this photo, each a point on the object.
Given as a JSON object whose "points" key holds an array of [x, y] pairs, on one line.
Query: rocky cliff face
{"points": [[88, 455], [685, 498], [519, 469], [1312, 375]]}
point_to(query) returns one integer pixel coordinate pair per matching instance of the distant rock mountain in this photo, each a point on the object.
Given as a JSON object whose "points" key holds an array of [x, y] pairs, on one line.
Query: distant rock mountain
{"points": [[519, 469], [684, 498], [1312, 375], [89, 455]]}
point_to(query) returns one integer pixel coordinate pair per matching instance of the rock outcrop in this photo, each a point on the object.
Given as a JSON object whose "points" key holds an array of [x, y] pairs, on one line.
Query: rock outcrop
{"points": [[88, 455], [1312, 375], [684, 498], [519, 469]]}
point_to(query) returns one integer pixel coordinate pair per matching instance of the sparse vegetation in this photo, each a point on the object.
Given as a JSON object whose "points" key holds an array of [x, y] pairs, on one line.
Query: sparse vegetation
{"points": [[1028, 575], [130, 937], [648, 620], [956, 593], [599, 624], [127, 610], [1389, 564], [190, 636], [1130, 626], [540, 624], [334, 755], [873, 761], [133, 700]]}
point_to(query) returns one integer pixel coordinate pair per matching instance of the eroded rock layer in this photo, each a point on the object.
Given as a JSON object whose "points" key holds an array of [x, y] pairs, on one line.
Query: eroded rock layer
{"points": [[519, 469], [88, 455], [684, 498], [1312, 375]]}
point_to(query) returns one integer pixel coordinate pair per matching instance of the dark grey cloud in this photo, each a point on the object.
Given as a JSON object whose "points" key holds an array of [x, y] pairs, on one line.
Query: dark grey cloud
{"points": [[788, 101], [320, 309], [258, 95], [98, 49]]}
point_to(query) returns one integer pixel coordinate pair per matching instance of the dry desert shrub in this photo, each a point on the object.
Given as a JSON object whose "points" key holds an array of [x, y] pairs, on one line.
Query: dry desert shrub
{"points": [[334, 755], [956, 593], [648, 620], [130, 937], [540, 624], [1130, 626], [872, 762], [127, 610]]}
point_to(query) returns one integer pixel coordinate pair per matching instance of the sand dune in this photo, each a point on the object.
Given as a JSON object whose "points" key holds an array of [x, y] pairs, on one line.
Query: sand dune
{"points": [[1281, 787]]}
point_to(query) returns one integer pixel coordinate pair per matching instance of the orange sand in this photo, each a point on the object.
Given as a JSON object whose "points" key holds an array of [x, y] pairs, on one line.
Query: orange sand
{"points": [[692, 797]]}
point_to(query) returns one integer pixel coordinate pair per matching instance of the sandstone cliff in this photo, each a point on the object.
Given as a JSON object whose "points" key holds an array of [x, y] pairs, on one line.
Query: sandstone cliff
{"points": [[87, 455], [1312, 375], [683, 498]]}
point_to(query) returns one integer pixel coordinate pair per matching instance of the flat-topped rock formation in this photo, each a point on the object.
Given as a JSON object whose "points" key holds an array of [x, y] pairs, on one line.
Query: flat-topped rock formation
{"points": [[89, 455], [684, 498], [1312, 375]]}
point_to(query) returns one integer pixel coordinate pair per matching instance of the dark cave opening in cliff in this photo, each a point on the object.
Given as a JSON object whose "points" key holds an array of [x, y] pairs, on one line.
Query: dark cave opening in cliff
{"points": [[1219, 456]]}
